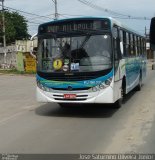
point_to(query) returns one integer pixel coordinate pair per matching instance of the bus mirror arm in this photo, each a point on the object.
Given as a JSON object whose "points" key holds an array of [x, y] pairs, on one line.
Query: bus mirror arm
{"points": [[32, 46]]}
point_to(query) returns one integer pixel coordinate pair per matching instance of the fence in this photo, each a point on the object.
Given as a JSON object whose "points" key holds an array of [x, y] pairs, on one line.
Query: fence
{"points": [[8, 57]]}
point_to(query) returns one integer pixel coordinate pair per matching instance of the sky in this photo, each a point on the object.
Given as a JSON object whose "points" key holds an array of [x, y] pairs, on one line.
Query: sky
{"points": [[74, 8]]}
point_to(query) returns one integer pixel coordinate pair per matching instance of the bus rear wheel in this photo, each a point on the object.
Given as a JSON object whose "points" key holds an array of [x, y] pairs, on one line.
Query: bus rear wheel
{"points": [[139, 86]]}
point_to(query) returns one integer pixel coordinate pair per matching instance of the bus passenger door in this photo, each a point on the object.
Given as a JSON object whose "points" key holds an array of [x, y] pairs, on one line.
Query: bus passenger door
{"points": [[117, 69], [117, 54], [117, 61]]}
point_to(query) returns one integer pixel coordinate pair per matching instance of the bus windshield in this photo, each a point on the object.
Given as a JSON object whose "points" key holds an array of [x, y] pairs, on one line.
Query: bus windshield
{"points": [[87, 53]]}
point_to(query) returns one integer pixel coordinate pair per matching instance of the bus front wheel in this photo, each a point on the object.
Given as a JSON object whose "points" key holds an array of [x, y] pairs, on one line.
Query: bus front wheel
{"points": [[118, 103]]}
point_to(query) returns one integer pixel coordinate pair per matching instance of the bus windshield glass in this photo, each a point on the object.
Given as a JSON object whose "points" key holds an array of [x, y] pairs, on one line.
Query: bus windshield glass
{"points": [[81, 53]]}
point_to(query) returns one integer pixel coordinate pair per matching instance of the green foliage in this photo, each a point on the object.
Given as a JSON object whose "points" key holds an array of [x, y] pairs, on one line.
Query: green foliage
{"points": [[16, 27]]}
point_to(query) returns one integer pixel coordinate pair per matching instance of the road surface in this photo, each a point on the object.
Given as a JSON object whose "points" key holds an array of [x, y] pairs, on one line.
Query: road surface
{"points": [[30, 127]]}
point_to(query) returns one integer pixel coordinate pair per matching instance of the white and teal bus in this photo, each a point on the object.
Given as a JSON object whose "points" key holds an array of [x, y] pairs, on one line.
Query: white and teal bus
{"points": [[88, 60]]}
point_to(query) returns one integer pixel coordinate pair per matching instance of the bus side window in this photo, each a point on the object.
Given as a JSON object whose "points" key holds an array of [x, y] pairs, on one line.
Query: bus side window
{"points": [[124, 43], [127, 44], [138, 45], [115, 35], [115, 48], [130, 49], [134, 46], [144, 47], [131, 45]]}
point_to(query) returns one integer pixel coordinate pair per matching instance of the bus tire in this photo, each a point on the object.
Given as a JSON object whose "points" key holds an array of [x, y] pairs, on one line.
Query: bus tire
{"points": [[139, 86]]}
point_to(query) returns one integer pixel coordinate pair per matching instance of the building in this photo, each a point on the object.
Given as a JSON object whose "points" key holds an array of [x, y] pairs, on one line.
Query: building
{"points": [[25, 61]]}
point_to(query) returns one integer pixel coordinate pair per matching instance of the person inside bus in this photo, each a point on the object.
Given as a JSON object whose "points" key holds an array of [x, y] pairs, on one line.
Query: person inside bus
{"points": [[74, 55], [66, 50]]}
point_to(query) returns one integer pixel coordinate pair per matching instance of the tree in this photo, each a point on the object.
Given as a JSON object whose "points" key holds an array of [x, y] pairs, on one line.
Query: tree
{"points": [[16, 27]]}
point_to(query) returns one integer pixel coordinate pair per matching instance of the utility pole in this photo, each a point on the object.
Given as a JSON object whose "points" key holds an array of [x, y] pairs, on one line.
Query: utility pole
{"points": [[3, 24], [56, 10]]}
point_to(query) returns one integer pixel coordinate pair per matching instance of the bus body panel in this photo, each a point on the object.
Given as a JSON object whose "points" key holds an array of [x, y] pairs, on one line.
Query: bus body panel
{"points": [[135, 67]]}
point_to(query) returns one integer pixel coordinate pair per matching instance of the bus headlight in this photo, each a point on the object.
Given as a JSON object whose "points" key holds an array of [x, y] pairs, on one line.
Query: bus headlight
{"points": [[95, 89], [43, 87], [108, 81], [102, 85]]}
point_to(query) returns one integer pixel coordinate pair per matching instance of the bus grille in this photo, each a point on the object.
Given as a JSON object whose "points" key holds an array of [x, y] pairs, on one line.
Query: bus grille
{"points": [[73, 89]]}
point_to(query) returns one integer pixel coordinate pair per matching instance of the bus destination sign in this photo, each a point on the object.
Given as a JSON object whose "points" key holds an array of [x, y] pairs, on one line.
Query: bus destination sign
{"points": [[73, 26]]}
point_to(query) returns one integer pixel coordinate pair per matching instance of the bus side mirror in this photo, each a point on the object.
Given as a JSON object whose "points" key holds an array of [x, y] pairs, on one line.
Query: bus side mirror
{"points": [[152, 34]]}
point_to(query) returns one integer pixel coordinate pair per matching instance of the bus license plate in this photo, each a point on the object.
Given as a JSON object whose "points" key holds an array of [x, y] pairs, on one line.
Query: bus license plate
{"points": [[69, 96]]}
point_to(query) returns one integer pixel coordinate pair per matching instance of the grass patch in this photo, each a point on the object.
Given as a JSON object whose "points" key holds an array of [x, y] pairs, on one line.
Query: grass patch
{"points": [[14, 71]]}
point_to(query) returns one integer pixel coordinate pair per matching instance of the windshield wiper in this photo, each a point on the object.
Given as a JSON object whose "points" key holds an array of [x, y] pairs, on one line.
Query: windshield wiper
{"points": [[85, 41]]}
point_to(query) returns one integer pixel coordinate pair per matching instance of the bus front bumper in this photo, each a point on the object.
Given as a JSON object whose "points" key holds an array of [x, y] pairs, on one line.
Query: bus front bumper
{"points": [[102, 96]]}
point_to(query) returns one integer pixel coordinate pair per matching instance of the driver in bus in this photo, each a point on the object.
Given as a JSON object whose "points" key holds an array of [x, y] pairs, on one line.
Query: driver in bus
{"points": [[66, 50]]}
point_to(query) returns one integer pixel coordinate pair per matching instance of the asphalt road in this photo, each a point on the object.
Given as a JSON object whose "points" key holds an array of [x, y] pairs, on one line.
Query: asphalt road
{"points": [[30, 127]]}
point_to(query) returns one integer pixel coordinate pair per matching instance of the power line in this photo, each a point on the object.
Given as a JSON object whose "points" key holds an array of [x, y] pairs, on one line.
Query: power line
{"points": [[64, 16], [41, 17], [72, 15], [133, 18], [28, 13], [33, 22], [119, 15], [92, 5]]}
